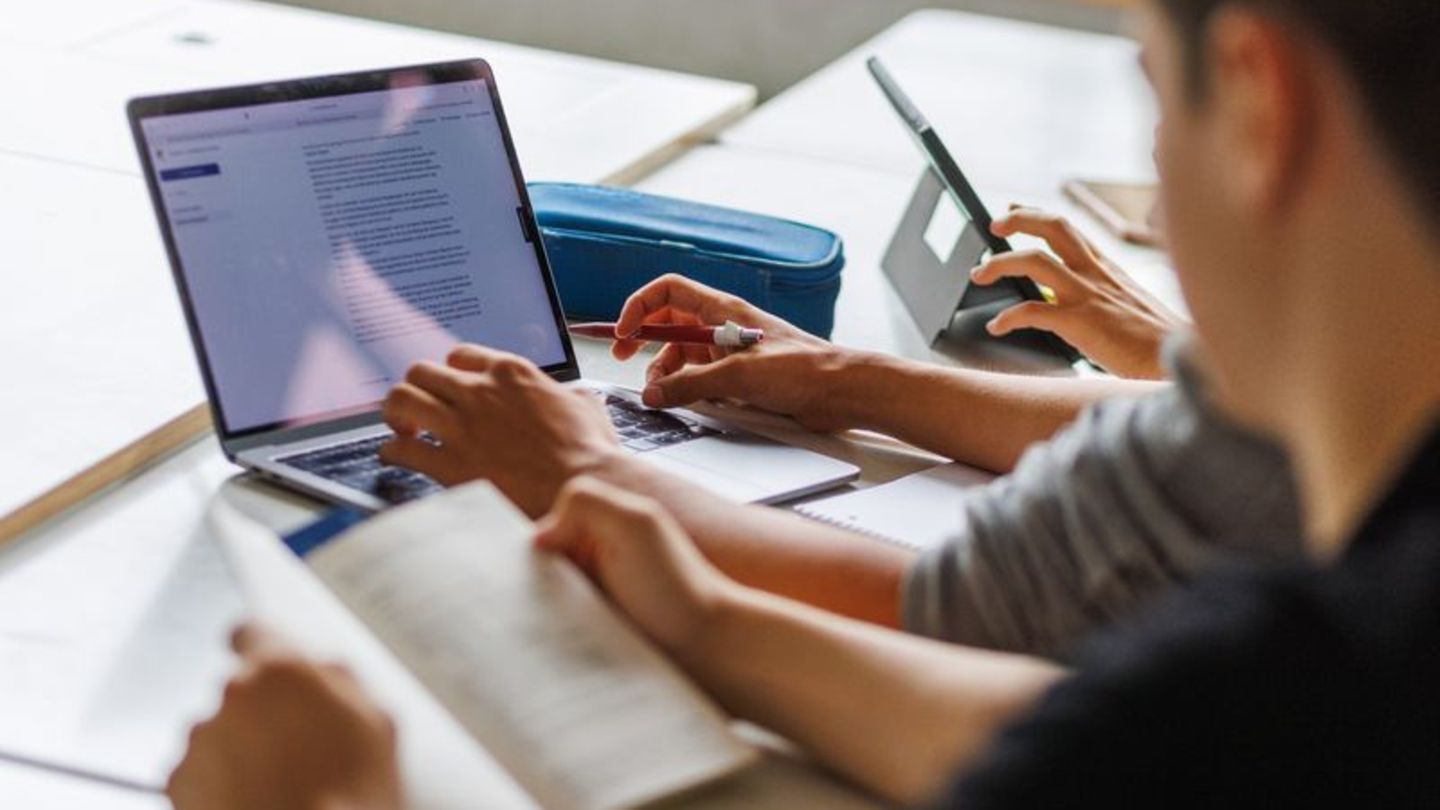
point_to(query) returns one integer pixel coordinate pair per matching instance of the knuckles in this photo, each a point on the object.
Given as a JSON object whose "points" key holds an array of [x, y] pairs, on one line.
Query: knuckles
{"points": [[510, 369], [673, 279]]}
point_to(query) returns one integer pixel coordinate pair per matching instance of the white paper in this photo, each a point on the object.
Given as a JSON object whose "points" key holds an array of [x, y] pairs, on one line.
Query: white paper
{"points": [[919, 511]]}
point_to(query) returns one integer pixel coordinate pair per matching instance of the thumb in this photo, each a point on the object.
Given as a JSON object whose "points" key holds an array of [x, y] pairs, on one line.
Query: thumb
{"points": [[254, 641], [696, 382]]}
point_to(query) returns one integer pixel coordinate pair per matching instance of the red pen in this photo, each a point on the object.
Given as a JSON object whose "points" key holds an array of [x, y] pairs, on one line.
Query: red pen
{"points": [[731, 335]]}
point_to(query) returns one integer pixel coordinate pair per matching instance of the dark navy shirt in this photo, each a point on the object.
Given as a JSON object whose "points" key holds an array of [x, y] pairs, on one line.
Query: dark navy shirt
{"points": [[1298, 688]]}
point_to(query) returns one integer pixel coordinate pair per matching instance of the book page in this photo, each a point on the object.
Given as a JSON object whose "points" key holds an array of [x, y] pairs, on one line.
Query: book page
{"points": [[529, 658], [443, 766]]}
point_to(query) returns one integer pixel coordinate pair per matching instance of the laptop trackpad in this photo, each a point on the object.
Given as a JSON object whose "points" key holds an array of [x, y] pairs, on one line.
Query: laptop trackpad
{"points": [[718, 482], [748, 468]]}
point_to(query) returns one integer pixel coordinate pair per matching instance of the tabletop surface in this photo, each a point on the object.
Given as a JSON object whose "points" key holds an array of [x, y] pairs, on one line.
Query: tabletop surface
{"points": [[110, 593], [1020, 105]]}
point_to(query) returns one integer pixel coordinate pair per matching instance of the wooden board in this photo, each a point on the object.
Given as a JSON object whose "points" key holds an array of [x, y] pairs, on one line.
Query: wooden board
{"points": [[123, 464]]}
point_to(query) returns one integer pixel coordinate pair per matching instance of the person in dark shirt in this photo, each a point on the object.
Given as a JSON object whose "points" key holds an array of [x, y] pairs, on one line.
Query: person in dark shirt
{"points": [[1304, 688], [1301, 184]]}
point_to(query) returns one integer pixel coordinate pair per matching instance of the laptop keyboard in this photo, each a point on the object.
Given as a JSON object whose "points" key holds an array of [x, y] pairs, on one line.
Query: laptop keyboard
{"points": [[357, 464], [642, 429]]}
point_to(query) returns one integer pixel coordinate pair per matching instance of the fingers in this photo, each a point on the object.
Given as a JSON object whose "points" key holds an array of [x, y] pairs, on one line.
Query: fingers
{"points": [[469, 357], [1035, 265], [623, 349], [409, 409], [683, 295], [696, 382], [669, 360], [444, 383], [1029, 315], [1058, 233], [253, 642]]}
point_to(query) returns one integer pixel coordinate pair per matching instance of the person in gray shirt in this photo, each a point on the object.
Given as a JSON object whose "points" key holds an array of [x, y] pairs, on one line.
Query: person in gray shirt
{"points": [[1137, 495]]}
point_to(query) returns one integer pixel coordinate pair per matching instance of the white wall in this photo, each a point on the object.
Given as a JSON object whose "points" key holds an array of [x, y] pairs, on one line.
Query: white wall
{"points": [[769, 43]]}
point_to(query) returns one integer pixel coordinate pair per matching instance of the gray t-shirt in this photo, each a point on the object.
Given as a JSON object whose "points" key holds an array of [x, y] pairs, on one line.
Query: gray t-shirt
{"points": [[1135, 497]]}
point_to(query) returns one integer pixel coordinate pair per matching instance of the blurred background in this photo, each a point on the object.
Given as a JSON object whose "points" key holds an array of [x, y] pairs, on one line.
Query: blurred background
{"points": [[753, 41]]}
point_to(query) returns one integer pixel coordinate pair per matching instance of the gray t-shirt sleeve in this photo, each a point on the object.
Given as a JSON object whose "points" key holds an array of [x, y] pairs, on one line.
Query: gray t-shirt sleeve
{"points": [[1136, 496]]}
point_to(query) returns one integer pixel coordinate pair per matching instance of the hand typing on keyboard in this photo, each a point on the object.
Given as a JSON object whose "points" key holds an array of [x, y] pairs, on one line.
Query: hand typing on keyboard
{"points": [[496, 416]]}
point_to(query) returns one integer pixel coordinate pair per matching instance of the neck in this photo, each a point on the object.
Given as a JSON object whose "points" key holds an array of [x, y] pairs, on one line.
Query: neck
{"points": [[1362, 392], [1347, 458]]}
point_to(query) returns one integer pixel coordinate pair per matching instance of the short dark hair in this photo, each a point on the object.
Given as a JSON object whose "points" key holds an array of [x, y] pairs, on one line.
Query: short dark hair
{"points": [[1391, 49]]}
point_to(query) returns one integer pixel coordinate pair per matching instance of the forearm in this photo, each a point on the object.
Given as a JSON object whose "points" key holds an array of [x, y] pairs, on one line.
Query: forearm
{"points": [[985, 419], [896, 713], [777, 551]]}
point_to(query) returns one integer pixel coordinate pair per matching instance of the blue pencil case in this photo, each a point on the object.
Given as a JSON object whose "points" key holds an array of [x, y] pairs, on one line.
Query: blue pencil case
{"points": [[605, 243]]}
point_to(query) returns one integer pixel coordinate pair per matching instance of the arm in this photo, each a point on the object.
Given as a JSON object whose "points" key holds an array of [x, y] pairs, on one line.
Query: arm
{"points": [[984, 419], [981, 418], [893, 712], [1135, 498]]}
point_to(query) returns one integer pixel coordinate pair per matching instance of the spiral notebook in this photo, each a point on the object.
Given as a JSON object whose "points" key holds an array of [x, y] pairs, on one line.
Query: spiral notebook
{"points": [[919, 511]]}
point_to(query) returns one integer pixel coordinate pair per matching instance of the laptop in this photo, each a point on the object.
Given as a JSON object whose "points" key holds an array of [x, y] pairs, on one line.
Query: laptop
{"points": [[327, 233]]}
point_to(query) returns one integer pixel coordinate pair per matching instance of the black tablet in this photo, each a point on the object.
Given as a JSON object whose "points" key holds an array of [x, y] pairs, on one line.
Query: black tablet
{"points": [[996, 297]]}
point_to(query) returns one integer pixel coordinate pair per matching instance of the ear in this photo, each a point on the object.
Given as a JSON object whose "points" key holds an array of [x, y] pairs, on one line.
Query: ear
{"points": [[1262, 91]]}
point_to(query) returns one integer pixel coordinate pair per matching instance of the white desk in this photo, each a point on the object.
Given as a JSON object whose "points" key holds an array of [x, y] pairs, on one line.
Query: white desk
{"points": [[1020, 105], [574, 117]]}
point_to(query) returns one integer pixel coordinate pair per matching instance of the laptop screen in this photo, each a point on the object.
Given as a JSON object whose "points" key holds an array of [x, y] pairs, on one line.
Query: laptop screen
{"points": [[326, 244]]}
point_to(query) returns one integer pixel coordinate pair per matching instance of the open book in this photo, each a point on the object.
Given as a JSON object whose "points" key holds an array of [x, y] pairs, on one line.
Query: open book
{"points": [[516, 646]]}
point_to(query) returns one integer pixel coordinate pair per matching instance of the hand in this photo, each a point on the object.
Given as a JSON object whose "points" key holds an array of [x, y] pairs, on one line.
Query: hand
{"points": [[790, 373], [1098, 309], [638, 555], [290, 735], [496, 416]]}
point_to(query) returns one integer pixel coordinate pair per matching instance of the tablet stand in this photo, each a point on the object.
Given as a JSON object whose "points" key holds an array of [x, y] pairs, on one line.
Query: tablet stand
{"points": [[950, 311]]}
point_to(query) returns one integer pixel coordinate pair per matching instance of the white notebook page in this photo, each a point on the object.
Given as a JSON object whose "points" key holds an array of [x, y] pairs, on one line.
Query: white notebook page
{"points": [[919, 511]]}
